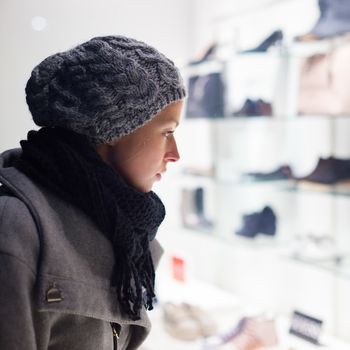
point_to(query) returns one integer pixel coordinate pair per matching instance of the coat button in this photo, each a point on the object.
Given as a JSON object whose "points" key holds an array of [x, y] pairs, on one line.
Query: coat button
{"points": [[54, 294]]}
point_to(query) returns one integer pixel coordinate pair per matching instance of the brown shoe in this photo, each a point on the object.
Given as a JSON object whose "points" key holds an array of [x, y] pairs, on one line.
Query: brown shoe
{"points": [[204, 320], [187, 322], [179, 324]]}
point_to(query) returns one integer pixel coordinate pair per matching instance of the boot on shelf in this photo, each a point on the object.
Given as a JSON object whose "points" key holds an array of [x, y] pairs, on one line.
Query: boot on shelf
{"points": [[263, 222]]}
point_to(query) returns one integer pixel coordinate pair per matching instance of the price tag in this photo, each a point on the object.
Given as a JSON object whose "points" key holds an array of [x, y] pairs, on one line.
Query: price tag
{"points": [[178, 267]]}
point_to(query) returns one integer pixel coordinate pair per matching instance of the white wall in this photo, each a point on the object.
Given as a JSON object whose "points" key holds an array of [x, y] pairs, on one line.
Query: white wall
{"points": [[163, 24]]}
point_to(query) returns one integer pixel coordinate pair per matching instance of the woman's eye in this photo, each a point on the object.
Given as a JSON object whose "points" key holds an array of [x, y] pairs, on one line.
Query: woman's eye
{"points": [[168, 133]]}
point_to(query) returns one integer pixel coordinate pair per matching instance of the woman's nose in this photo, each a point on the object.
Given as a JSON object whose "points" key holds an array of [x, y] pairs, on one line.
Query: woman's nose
{"points": [[172, 154]]}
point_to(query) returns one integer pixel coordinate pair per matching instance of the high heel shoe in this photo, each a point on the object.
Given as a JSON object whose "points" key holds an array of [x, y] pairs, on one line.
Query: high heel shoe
{"points": [[272, 40]]}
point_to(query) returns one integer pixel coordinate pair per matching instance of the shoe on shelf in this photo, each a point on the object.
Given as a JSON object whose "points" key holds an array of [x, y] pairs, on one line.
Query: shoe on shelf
{"points": [[179, 324], [257, 333], [199, 206], [207, 54], [263, 222], [249, 333], [187, 322], [193, 210], [254, 108], [207, 325], [273, 39], [284, 172], [334, 20], [215, 342], [329, 171], [316, 248]]}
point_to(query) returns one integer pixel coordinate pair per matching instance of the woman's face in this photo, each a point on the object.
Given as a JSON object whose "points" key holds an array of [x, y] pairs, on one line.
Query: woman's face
{"points": [[142, 157]]}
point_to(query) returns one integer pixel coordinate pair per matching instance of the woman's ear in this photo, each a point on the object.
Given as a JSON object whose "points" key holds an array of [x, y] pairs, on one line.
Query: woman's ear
{"points": [[106, 149], [102, 150], [112, 143]]}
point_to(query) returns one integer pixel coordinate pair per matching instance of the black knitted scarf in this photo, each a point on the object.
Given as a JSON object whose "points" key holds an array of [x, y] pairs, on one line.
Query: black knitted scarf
{"points": [[69, 165]]}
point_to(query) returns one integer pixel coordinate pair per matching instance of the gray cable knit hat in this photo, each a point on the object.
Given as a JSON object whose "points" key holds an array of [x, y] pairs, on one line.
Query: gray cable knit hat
{"points": [[104, 88]]}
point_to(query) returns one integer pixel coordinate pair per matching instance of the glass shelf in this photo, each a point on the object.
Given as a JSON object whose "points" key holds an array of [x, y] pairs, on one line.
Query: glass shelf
{"points": [[278, 246], [339, 269], [271, 119], [340, 189], [309, 48], [276, 242]]}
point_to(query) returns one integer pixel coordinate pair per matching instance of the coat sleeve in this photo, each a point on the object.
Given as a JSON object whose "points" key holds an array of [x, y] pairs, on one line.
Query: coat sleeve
{"points": [[19, 251]]}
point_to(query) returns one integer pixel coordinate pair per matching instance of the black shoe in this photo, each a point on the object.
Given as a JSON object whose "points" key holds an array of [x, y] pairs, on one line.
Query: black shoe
{"points": [[329, 171], [272, 40], [284, 172], [252, 108], [208, 54], [263, 222]]}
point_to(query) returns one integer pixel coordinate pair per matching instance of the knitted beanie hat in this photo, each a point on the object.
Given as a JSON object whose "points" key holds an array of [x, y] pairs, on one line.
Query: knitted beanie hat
{"points": [[104, 88]]}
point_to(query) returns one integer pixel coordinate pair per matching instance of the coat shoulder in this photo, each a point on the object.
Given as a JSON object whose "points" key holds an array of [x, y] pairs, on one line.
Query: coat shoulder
{"points": [[19, 236]]}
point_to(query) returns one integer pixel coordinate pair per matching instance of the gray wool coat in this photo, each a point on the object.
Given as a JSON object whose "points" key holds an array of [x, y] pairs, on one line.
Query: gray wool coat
{"points": [[55, 266]]}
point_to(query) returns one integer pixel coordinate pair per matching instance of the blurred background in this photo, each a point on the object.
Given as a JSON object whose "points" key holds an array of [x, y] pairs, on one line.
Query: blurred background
{"points": [[257, 236]]}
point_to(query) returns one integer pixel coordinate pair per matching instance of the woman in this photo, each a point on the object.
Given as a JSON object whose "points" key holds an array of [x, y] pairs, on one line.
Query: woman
{"points": [[77, 215]]}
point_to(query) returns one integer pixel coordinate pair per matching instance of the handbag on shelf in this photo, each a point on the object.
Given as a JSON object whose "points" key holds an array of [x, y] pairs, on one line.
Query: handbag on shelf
{"points": [[324, 83], [205, 96]]}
